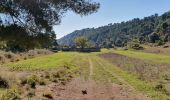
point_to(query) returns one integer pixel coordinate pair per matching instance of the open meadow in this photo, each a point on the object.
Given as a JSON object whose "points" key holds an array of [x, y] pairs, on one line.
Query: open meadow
{"points": [[109, 74]]}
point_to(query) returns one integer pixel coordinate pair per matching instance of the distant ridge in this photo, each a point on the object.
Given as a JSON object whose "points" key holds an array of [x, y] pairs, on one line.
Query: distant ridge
{"points": [[120, 33]]}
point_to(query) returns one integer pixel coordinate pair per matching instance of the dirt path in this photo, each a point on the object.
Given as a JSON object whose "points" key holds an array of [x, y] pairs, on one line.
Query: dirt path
{"points": [[79, 89]]}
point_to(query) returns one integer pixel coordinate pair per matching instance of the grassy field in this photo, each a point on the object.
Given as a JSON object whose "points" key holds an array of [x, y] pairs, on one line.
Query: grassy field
{"points": [[146, 56], [91, 66]]}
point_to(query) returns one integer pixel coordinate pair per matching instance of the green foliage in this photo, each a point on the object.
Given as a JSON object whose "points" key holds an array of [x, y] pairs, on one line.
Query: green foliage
{"points": [[135, 44], [153, 37], [28, 26], [24, 41], [81, 42], [160, 42], [11, 95], [32, 81]]}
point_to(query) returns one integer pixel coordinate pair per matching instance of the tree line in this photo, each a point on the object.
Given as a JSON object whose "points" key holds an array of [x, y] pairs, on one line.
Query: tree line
{"points": [[152, 29]]}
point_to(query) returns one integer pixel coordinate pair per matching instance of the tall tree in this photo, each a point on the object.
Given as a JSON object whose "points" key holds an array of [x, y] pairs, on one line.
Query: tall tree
{"points": [[81, 42], [28, 23], [39, 16]]}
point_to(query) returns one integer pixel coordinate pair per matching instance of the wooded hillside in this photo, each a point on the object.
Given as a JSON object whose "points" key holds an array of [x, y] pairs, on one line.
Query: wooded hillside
{"points": [[150, 29]]}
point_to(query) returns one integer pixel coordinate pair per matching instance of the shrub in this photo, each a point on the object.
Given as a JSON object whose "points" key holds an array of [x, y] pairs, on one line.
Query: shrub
{"points": [[2, 59], [24, 81], [31, 94], [42, 82], [161, 87], [135, 44], [32, 81], [48, 95], [3, 83], [160, 42], [10, 95]]}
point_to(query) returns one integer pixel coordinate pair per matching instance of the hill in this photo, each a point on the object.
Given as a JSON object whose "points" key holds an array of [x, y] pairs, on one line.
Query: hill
{"points": [[149, 29]]}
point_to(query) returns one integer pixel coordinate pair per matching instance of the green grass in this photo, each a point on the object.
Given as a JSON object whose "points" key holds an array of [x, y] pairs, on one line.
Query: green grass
{"points": [[145, 56], [133, 80], [103, 70], [45, 62]]}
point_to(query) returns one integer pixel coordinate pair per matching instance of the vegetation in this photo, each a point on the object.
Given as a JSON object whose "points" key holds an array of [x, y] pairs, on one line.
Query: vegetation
{"points": [[29, 72], [103, 70], [81, 42], [135, 44], [6, 57], [147, 30], [35, 23]]}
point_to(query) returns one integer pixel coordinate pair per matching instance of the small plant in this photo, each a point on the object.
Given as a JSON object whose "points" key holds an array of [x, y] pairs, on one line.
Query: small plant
{"points": [[25, 58], [10, 95], [31, 94], [48, 95], [8, 55], [160, 42], [135, 44], [166, 77], [23, 81], [3, 83], [32, 81], [42, 82], [161, 87]]}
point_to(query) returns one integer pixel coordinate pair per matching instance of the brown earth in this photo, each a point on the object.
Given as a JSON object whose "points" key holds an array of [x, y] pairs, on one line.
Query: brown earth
{"points": [[93, 91]]}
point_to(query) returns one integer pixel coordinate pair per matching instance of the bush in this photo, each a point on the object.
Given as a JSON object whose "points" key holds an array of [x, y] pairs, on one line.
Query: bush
{"points": [[10, 95], [3, 83], [2, 59], [32, 81], [134, 44], [161, 87], [31, 94], [48, 95], [160, 42], [42, 82]]}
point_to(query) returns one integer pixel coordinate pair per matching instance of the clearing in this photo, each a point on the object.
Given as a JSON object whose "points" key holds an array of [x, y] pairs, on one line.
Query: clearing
{"points": [[108, 75]]}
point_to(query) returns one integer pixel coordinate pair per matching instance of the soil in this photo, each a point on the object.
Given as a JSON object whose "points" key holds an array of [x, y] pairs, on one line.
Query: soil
{"points": [[79, 89]]}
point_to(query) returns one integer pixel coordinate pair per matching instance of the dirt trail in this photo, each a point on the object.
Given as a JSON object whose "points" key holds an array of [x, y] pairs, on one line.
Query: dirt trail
{"points": [[81, 89], [92, 91]]}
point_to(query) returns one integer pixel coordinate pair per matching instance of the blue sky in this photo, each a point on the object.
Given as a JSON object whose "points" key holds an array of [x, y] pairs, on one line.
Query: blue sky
{"points": [[111, 11]]}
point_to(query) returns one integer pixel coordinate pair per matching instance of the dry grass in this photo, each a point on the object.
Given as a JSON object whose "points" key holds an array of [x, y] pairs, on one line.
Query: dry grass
{"points": [[23, 84], [6, 57], [152, 72], [158, 50]]}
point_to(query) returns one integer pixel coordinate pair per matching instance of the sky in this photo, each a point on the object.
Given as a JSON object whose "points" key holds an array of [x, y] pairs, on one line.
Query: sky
{"points": [[111, 11]]}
